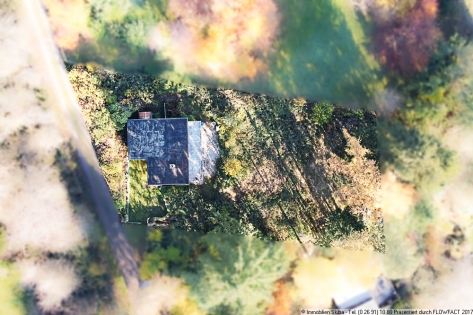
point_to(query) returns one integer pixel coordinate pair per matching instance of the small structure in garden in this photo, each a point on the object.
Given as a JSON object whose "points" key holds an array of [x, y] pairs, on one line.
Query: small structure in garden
{"points": [[172, 147], [382, 295]]}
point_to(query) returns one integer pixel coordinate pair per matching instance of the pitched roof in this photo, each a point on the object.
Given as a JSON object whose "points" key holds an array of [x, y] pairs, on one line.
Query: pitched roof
{"points": [[163, 143]]}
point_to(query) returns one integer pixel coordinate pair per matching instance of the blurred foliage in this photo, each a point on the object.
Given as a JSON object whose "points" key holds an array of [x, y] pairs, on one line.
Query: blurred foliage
{"points": [[266, 53], [241, 269], [435, 101], [404, 240], [12, 294], [432, 97], [283, 299], [406, 34], [185, 307], [412, 144], [417, 158]]}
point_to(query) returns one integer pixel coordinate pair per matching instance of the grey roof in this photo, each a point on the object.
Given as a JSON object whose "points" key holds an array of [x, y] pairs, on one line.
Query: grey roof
{"points": [[195, 152], [163, 143]]}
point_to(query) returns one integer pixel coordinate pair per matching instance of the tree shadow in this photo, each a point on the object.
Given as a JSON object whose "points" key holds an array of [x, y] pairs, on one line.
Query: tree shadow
{"points": [[113, 54], [364, 128], [320, 41], [292, 145], [342, 223], [290, 150], [88, 190], [320, 44]]}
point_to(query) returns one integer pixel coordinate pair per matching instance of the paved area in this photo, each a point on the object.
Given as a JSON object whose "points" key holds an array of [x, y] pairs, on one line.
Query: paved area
{"points": [[210, 150], [195, 152]]}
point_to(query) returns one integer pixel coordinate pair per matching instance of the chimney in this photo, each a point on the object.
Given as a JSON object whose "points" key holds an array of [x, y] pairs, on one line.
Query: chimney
{"points": [[145, 115]]}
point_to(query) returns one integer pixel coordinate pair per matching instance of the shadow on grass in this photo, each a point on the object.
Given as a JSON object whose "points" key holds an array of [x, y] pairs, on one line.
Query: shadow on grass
{"points": [[321, 54], [306, 196], [88, 191], [121, 57]]}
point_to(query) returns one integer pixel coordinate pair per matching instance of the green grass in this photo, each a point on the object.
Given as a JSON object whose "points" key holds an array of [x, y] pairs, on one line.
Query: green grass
{"points": [[145, 202], [320, 54]]}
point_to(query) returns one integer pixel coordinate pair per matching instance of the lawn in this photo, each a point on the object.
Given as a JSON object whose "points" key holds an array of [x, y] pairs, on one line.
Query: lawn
{"points": [[145, 202]]}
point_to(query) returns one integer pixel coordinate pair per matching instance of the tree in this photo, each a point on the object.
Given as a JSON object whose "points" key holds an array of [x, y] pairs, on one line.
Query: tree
{"points": [[406, 43], [119, 116], [416, 157], [236, 275]]}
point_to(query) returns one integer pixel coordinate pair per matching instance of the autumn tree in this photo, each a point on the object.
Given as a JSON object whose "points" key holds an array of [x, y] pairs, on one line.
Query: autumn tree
{"points": [[405, 43], [283, 300]]}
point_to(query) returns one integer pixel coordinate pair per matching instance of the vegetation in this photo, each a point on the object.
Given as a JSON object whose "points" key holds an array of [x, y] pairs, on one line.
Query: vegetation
{"points": [[241, 269], [232, 167], [262, 54], [290, 169], [406, 35], [322, 113], [11, 292], [98, 105], [434, 99], [144, 201], [411, 140], [280, 173]]}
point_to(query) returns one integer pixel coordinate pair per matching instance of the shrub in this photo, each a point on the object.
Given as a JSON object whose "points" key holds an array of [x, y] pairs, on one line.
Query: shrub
{"points": [[119, 116], [322, 113], [232, 167]]}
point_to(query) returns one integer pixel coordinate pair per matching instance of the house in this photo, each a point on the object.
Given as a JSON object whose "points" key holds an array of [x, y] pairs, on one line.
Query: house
{"points": [[171, 148]]}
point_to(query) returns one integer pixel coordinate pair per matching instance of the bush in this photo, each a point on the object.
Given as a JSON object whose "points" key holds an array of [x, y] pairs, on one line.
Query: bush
{"points": [[119, 116], [232, 167], [322, 113]]}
